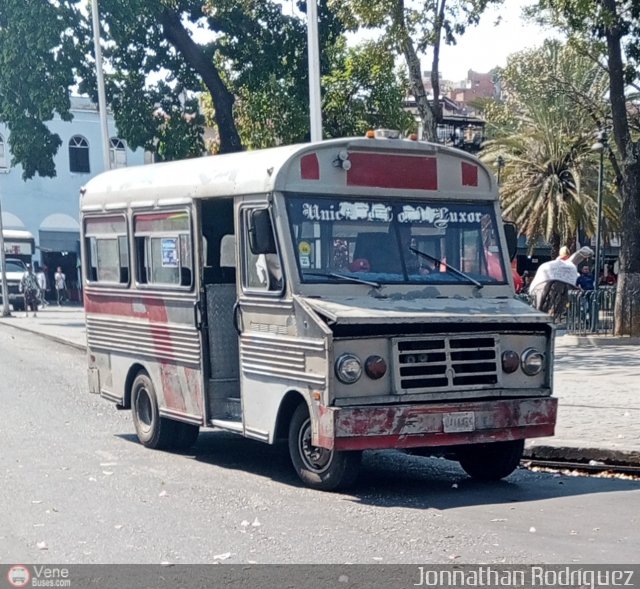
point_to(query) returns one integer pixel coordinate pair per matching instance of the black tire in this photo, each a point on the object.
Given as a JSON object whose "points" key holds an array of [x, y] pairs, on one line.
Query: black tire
{"points": [[153, 431], [491, 462], [318, 468]]}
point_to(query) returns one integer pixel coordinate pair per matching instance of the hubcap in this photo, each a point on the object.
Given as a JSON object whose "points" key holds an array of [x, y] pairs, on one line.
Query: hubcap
{"points": [[144, 409], [315, 459]]}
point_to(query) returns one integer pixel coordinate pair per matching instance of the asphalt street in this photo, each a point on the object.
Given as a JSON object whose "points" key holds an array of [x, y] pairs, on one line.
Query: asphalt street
{"points": [[78, 488]]}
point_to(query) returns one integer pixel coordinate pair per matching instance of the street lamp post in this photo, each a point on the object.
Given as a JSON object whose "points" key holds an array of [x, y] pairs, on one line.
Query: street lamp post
{"points": [[500, 163], [600, 146]]}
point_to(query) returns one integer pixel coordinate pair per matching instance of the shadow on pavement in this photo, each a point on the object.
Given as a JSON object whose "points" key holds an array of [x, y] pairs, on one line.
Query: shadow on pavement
{"points": [[394, 479]]}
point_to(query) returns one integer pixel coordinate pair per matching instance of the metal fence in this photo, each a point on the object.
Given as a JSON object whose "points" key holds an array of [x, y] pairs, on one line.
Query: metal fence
{"points": [[591, 311], [587, 312]]}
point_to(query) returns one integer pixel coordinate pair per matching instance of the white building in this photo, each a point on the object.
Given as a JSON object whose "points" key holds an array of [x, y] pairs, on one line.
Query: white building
{"points": [[48, 207]]}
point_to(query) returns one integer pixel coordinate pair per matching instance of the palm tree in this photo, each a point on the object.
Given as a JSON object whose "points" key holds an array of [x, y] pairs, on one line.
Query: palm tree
{"points": [[544, 132]]}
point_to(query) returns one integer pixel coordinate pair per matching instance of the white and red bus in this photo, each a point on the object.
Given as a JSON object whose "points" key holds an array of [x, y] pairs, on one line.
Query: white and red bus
{"points": [[345, 295]]}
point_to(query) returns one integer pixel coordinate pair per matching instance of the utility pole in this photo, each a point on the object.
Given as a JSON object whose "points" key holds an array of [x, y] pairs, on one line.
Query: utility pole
{"points": [[6, 309], [102, 100], [315, 103]]}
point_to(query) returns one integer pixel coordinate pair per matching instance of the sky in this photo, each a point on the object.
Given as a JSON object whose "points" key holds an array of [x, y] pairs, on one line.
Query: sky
{"points": [[487, 45]]}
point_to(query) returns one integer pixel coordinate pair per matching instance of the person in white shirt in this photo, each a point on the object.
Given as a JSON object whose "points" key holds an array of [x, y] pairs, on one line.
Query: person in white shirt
{"points": [[41, 277], [60, 281]]}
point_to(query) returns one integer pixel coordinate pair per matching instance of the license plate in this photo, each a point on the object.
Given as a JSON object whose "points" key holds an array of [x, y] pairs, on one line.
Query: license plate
{"points": [[459, 422]]}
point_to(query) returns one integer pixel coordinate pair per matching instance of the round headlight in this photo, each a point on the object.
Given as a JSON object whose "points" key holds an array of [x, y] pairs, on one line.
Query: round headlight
{"points": [[532, 361], [510, 361], [348, 368], [375, 367]]}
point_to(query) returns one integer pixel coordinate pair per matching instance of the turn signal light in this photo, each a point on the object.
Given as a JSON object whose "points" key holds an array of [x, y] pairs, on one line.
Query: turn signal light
{"points": [[510, 361], [375, 367]]}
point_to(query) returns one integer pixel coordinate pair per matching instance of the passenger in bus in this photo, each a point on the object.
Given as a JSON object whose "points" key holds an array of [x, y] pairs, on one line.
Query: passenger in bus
{"points": [[269, 271]]}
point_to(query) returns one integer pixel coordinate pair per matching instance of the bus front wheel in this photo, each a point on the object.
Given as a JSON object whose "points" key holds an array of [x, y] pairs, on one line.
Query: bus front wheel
{"points": [[319, 468], [491, 462]]}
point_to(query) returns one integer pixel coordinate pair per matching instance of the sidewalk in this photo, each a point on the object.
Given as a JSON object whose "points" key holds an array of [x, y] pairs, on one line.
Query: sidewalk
{"points": [[596, 382]]}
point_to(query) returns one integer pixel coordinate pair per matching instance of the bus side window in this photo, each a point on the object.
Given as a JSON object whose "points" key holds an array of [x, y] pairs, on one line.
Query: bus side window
{"points": [[163, 249], [107, 250], [262, 271]]}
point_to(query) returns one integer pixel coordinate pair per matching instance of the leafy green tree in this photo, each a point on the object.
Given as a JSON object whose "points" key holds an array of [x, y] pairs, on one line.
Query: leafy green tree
{"points": [[412, 28], [39, 54], [544, 132], [147, 39], [609, 32], [363, 91]]}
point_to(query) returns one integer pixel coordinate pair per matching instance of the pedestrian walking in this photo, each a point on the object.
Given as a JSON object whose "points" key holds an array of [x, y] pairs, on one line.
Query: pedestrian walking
{"points": [[29, 289], [42, 285], [60, 281]]}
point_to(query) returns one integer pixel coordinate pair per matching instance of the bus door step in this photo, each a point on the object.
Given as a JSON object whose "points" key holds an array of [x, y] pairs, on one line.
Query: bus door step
{"points": [[232, 409]]}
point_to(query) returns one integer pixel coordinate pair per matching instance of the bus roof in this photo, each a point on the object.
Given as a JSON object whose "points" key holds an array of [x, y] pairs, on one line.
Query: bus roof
{"points": [[379, 165]]}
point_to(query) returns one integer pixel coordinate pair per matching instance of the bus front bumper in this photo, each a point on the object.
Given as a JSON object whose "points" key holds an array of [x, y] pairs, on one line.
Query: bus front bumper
{"points": [[430, 425]]}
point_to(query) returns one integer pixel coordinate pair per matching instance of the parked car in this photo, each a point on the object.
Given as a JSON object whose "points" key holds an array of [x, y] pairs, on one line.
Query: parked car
{"points": [[15, 270]]}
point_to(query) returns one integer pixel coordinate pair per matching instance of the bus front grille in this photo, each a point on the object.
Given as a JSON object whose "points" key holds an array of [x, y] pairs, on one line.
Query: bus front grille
{"points": [[449, 363]]}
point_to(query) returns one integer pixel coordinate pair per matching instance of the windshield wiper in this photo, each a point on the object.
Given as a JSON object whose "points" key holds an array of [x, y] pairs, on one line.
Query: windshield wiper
{"points": [[344, 277], [447, 266]]}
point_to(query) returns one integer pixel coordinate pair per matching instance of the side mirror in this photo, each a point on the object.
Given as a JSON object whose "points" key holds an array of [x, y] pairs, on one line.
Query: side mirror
{"points": [[511, 234], [261, 239]]}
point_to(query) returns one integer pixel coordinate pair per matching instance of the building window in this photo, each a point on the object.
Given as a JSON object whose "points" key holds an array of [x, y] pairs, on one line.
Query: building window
{"points": [[117, 153], [79, 155], [3, 155]]}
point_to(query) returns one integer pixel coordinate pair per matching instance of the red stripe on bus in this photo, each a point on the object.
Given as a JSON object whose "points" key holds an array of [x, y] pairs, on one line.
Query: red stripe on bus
{"points": [[469, 174], [379, 170], [309, 167], [155, 311]]}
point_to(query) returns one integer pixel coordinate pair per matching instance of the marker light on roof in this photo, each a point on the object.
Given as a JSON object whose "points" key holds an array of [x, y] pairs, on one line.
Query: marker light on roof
{"points": [[387, 134]]}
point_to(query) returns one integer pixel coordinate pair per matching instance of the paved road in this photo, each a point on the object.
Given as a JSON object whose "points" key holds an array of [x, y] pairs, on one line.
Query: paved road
{"points": [[595, 381], [78, 488]]}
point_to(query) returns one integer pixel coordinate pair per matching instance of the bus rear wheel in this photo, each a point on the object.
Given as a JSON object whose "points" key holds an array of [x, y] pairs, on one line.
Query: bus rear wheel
{"points": [[153, 430], [491, 462], [319, 468]]}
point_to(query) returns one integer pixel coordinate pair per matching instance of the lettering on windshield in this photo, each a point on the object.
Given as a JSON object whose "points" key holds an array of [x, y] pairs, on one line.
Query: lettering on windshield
{"points": [[438, 217]]}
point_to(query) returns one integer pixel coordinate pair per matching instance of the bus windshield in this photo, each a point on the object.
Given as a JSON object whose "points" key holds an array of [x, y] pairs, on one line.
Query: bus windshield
{"points": [[399, 241]]}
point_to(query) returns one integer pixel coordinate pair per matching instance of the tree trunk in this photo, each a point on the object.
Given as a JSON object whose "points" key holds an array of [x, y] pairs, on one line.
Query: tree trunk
{"points": [[555, 243], [415, 75], [627, 309], [435, 68], [223, 100]]}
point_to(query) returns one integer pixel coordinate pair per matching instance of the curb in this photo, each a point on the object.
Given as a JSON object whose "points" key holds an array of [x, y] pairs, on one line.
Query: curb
{"points": [[584, 455], [53, 338], [598, 340]]}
